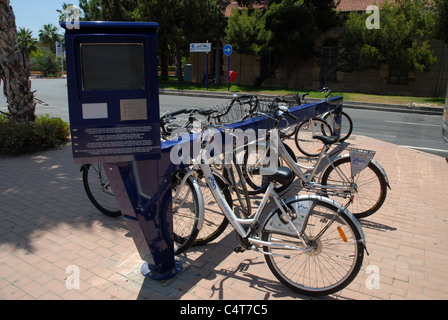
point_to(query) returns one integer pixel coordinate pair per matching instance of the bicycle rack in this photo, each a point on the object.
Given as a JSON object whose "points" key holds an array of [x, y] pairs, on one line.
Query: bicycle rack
{"points": [[120, 128]]}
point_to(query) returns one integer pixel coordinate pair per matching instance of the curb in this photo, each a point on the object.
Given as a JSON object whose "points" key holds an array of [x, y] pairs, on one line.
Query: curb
{"points": [[421, 109]]}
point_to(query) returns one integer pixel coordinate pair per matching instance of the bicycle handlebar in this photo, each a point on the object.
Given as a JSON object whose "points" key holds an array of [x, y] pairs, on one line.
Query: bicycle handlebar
{"points": [[326, 90]]}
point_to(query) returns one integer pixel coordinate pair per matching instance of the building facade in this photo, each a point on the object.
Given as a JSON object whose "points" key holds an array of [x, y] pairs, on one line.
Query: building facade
{"points": [[306, 75]]}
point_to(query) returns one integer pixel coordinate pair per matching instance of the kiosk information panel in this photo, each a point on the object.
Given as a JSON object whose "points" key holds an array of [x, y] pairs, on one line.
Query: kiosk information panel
{"points": [[114, 118], [113, 95]]}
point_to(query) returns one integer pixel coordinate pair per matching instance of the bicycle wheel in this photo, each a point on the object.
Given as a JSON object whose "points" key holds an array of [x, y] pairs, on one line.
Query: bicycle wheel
{"points": [[254, 157], [98, 190], [329, 257], [346, 123], [185, 212], [305, 133], [215, 222], [368, 188]]}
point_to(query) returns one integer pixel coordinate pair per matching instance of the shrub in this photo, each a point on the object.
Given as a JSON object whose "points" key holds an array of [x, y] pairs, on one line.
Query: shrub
{"points": [[47, 64], [19, 137]]}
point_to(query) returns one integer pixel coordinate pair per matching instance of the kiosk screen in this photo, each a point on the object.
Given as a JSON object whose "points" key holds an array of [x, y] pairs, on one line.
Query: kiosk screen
{"points": [[112, 67]]}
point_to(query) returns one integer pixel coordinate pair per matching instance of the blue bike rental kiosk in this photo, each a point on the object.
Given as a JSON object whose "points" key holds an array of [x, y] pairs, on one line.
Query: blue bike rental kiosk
{"points": [[114, 113]]}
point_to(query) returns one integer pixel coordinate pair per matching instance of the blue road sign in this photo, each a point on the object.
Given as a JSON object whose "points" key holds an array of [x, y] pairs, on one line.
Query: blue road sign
{"points": [[228, 50]]}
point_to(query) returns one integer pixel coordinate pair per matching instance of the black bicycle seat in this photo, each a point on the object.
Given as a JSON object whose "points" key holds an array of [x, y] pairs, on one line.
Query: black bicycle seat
{"points": [[282, 175], [327, 140], [205, 112]]}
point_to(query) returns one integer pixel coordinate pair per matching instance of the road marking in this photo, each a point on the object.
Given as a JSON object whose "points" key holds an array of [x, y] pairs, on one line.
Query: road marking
{"points": [[425, 149], [414, 123]]}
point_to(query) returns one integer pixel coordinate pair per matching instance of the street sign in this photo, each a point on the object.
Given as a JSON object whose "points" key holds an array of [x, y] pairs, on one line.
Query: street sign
{"points": [[200, 47], [228, 50], [58, 49], [59, 53]]}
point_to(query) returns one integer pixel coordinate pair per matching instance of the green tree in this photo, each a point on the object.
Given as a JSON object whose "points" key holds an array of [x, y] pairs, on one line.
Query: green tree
{"points": [[442, 20], [442, 28], [274, 29], [181, 22], [13, 70], [402, 40], [48, 36], [108, 10], [27, 43]]}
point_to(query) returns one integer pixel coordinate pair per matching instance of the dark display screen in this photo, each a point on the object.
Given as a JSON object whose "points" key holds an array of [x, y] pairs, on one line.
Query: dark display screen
{"points": [[112, 67]]}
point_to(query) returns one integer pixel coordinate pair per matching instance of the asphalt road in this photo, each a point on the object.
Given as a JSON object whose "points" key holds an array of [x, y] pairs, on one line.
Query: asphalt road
{"points": [[417, 131]]}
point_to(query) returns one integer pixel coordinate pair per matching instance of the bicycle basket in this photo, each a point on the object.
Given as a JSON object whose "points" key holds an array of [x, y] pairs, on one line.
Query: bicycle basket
{"points": [[227, 113], [269, 104]]}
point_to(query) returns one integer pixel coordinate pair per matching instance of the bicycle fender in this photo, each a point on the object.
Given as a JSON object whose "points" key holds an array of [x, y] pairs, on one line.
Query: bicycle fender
{"points": [[328, 201], [383, 172], [345, 210], [373, 161]]}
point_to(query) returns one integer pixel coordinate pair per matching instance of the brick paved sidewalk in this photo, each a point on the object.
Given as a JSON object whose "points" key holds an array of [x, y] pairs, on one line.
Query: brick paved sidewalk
{"points": [[49, 231]]}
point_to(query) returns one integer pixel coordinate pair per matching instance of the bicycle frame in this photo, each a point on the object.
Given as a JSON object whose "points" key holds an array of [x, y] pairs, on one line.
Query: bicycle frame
{"points": [[238, 223], [308, 180]]}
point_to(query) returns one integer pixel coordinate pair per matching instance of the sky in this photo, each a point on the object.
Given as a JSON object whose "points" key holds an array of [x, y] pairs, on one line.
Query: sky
{"points": [[32, 14]]}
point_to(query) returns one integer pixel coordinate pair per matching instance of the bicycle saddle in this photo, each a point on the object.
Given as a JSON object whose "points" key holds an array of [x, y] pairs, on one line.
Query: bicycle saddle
{"points": [[327, 140], [206, 112], [282, 175]]}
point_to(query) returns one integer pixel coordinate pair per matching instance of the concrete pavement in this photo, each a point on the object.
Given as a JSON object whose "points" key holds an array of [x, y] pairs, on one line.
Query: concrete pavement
{"points": [[50, 233]]}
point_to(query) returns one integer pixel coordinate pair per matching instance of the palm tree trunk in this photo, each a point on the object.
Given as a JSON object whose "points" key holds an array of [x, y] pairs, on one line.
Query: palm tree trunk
{"points": [[13, 69]]}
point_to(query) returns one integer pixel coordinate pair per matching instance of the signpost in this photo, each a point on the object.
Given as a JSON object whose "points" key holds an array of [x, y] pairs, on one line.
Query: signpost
{"points": [[60, 53], [202, 47], [228, 50]]}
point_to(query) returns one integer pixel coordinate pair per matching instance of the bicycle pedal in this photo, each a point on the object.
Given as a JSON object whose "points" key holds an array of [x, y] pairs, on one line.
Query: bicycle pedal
{"points": [[239, 249]]}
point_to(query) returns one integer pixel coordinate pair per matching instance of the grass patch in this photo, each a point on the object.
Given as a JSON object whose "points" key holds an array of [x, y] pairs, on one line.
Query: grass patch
{"points": [[348, 96]]}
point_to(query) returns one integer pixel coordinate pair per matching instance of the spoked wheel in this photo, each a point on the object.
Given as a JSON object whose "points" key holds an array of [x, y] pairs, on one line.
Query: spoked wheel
{"points": [[186, 208], [369, 186], [327, 259], [98, 189], [304, 138]]}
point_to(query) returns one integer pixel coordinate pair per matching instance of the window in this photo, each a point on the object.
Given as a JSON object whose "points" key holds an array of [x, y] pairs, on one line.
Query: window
{"points": [[112, 66]]}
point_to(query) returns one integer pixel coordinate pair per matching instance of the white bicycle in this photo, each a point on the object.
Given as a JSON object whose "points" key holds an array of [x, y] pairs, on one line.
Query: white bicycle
{"points": [[312, 244]]}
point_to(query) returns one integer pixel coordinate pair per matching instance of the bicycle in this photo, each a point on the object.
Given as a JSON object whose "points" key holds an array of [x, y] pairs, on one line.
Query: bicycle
{"points": [[345, 126], [311, 244], [337, 178], [330, 123]]}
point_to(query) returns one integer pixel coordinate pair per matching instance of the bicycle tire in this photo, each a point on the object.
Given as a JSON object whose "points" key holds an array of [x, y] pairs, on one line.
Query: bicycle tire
{"points": [[304, 136], [98, 190], [258, 184], [333, 260], [346, 122], [215, 222], [370, 182], [185, 213]]}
